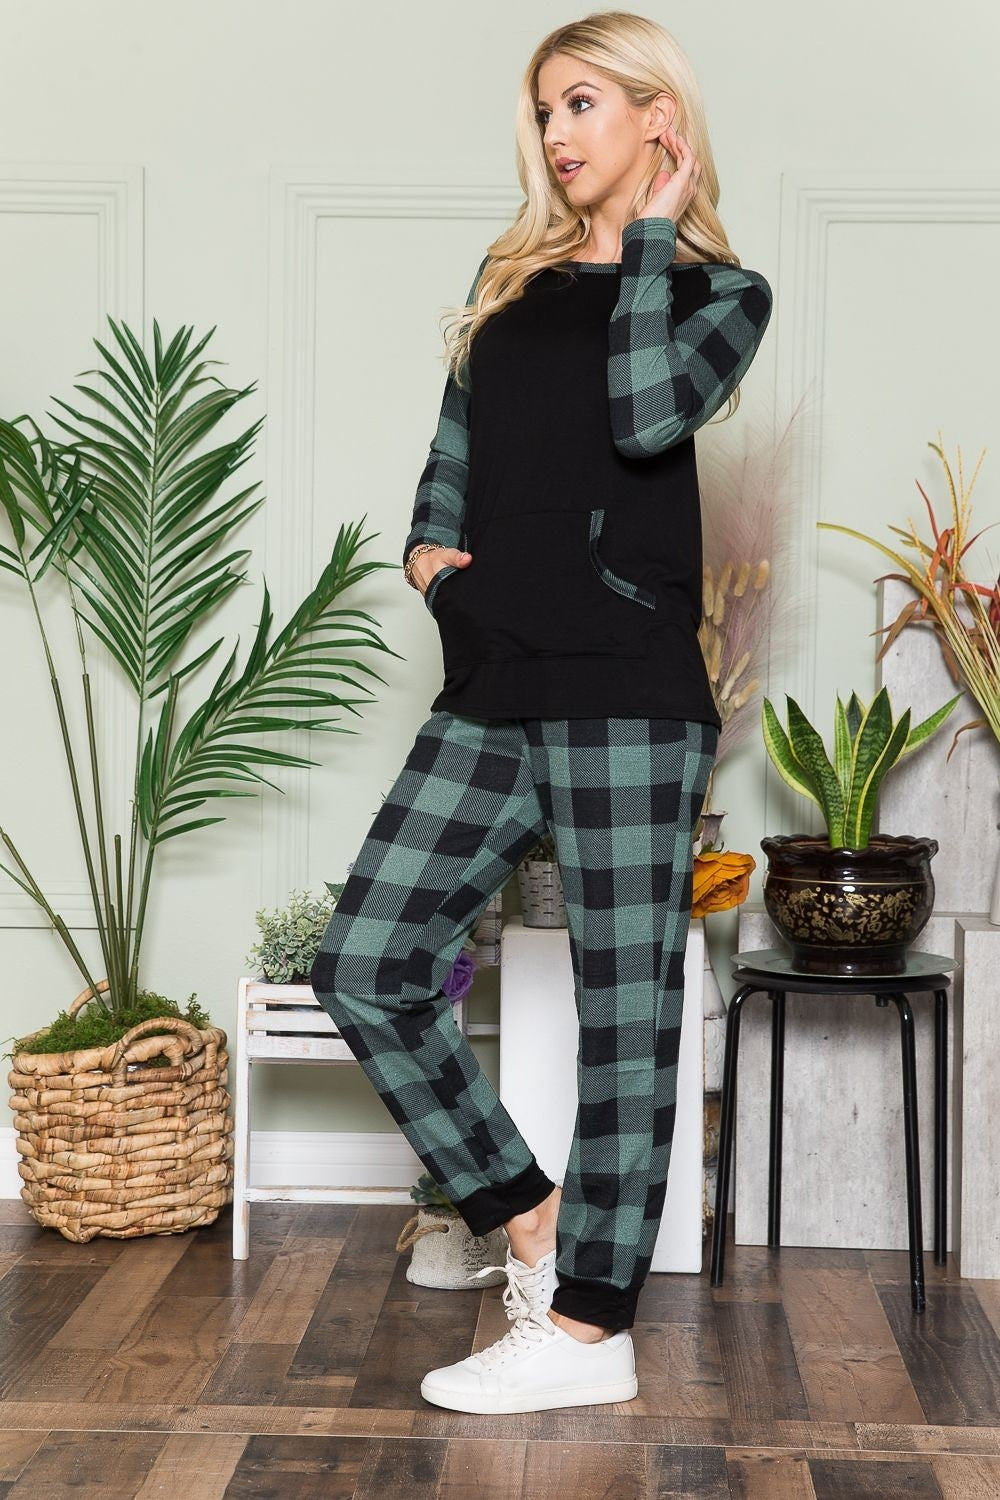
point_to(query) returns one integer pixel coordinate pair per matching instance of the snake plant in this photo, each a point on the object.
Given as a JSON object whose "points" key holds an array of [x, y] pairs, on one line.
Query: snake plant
{"points": [[867, 743], [130, 515]]}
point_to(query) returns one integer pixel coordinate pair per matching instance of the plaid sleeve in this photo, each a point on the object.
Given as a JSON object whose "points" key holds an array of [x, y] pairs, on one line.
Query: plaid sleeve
{"points": [[439, 506], [667, 380]]}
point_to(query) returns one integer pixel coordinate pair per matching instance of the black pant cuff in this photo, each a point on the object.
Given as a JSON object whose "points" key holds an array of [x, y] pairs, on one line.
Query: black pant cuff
{"points": [[489, 1207], [593, 1302]]}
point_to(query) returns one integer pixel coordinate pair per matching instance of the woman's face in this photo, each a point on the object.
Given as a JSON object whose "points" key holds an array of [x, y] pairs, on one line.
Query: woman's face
{"points": [[585, 117]]}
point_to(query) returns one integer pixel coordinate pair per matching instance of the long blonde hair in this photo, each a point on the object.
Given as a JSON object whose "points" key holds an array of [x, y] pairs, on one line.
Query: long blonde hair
{"points": [[645, 60]]}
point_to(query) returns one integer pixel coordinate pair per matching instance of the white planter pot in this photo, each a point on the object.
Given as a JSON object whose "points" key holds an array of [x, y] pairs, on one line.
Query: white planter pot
{"points": [[542, 902], [447, 1254]]}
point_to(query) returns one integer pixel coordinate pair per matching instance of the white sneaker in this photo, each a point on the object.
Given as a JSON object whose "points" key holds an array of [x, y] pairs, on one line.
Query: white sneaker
{"points": [[529, 1288], [536, 1366]]}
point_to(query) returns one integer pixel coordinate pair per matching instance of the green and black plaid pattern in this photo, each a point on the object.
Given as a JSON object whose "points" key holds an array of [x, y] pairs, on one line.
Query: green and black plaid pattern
{"points": [[666, 381], [621, 798], [620, 585], [439, 504]]}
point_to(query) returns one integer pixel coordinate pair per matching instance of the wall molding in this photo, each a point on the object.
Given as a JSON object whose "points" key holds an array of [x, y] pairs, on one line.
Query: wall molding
{"points": [[299, 202], [811, 203], [314, 1158], [112, 195]]}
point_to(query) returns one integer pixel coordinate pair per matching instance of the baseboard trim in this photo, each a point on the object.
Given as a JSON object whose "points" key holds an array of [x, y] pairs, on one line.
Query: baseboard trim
{"points": [[279, 1158]]}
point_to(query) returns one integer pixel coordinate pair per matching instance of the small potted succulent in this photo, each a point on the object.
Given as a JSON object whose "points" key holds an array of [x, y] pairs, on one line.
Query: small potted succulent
{"points": [[852, 902], [290, 937], [540, 884], [445, 1252]]}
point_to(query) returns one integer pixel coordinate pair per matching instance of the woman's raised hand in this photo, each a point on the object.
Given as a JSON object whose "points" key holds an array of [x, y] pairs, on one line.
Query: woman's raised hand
{"points": [[429, 563], [672, 192]]}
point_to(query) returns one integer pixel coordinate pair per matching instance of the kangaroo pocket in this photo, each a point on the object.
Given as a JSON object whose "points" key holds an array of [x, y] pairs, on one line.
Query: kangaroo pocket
{"points": [[537, 586]]}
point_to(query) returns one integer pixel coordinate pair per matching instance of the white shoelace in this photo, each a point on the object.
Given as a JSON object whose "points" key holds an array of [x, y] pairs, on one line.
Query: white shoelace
{"points": [[526, 1332], [516, 1300]]}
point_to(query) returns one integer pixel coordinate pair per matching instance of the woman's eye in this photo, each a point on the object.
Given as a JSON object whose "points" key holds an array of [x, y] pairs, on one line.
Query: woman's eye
{"points": [[576, 99]]}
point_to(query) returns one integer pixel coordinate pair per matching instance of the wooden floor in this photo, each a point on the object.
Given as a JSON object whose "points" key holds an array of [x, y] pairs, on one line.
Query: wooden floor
{"points": [[160, 1367]]}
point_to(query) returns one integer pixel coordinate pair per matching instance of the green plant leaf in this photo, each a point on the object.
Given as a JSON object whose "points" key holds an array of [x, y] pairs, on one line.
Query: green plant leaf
{"points": [[782, 757], [8, 499], [810, 752], [842, 748], [151, 519], [288, 673], [26, 478], [856, 711], [924, 730], [872, 737], [863, 807]]}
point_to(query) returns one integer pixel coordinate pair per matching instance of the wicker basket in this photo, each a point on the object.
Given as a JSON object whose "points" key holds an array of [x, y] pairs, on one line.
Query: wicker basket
{"points": [[110, 1147], [542, 900]]}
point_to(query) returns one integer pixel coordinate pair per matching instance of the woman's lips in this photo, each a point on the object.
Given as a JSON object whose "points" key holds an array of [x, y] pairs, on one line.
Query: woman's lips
{"points": [[566, 174]]}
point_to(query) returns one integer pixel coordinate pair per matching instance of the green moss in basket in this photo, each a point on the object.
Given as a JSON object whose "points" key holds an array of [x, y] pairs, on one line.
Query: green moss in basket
{"points": [[94, 1026], [426, 1191], [290, 937]]}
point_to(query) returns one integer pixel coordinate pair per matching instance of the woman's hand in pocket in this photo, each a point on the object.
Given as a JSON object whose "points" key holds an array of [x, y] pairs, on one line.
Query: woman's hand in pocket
{"points": [[429, 563]]}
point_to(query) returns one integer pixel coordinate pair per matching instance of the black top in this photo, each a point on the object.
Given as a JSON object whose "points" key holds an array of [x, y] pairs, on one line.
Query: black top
{"points": [[583, 597]]}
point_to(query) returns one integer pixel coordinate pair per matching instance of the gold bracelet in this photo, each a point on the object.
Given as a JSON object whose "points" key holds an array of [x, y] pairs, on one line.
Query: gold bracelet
{"points": [[418, 552]]}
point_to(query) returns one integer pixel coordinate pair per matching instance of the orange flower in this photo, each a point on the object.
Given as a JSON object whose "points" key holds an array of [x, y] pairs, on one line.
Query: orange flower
{"points": [[721, 880]]}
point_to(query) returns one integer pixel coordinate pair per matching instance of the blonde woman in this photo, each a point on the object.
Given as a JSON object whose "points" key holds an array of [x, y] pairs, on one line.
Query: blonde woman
{"points": [[556, 538]]}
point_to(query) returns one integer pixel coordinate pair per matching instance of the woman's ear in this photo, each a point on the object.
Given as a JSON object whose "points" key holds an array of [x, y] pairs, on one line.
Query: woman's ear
{"points": [[662, 111]]}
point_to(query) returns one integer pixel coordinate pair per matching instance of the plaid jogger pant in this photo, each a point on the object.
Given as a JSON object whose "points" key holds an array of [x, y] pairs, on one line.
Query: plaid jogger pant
{"points": [[621, 798]]}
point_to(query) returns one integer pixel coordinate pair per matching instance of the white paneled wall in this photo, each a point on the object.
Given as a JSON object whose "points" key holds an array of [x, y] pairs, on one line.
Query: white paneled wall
{"points": [[318, 181], [70, 257], [322, 377], [887, 362]]}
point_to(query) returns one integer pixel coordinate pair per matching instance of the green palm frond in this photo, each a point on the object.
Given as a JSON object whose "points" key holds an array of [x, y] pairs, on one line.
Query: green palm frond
{"points": [[135, 521], [142, 529], [27, 480], [310, 648]]}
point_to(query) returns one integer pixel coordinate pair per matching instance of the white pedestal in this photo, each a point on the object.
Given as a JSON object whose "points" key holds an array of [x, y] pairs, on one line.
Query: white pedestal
{"points": [[539, 1042]]}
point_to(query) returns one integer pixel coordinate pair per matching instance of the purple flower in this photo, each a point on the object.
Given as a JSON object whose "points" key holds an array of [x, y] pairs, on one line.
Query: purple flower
{"points": [[459, 981]]}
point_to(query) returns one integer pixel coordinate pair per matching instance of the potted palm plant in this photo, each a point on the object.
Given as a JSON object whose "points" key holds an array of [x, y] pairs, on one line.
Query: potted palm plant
{"points": [[121, 1105], [852, 902]]}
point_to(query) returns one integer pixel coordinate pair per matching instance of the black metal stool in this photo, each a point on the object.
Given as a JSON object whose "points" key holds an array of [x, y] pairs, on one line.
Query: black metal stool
{"points": [[769, 971]]}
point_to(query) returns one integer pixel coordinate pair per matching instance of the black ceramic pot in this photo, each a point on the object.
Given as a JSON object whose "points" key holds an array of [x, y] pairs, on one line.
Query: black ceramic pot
{"points": [[849, 911]]}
